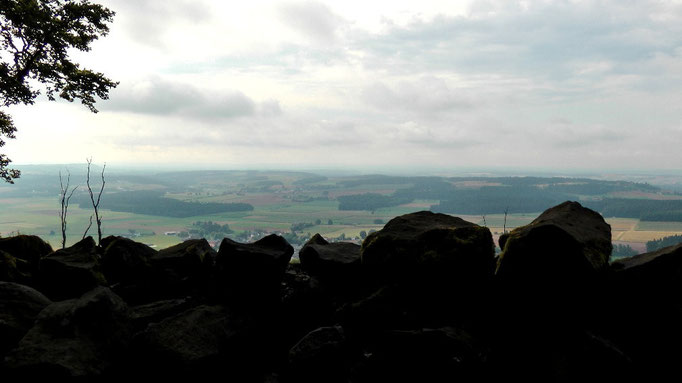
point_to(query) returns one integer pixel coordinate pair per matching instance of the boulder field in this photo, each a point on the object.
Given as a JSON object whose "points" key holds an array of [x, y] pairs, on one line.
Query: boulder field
{"points": [[425, 299]]}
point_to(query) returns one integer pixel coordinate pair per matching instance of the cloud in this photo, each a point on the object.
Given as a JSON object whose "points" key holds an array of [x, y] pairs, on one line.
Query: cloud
{"points": [[161, 97], [543, 40], [564, 134], [314, 20], [147, 22], [425, 95]]}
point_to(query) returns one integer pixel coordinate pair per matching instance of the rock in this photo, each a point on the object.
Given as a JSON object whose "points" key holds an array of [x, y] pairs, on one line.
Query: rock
{"points": [[549, 280], [74, 339], [125, 261], [200, 343], [571, 355], [436, 244], [251, 274], [643, 315], [9, 271], [19, 307], [320, 356], [566, 242], [155, 312], [331, 261], [183, 269], [70, 272], [126, 265], [29, 249], [658, 271], [423, 355], [591, 358], [383, 309], [434, 267], [305, 306]]}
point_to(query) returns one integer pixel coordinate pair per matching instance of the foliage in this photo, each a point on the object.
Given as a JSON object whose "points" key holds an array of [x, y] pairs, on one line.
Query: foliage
{"points": [[370, 201], [154, 203], [622, 251], [209, 229], [496, 199], [644, 209], [295, 239], [300, 226], [36, 37], [657, 244], [310, 180]]}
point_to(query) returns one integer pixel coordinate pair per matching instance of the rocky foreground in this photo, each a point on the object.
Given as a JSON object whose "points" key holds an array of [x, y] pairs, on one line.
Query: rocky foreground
{"points": [[424, 300]]}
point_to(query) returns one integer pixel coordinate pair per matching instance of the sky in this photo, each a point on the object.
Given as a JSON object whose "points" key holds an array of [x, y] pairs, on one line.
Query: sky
{"points": [[375, 85]]}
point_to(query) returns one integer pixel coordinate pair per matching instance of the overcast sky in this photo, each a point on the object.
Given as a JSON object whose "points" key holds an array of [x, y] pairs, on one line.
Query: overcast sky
{"points": [[376, 85]]}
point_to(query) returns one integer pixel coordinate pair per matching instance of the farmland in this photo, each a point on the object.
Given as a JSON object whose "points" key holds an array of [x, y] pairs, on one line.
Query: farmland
{"points": [[308, 203]]}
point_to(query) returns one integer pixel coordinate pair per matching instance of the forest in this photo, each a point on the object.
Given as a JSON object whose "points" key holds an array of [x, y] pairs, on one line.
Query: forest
{"points": [[154, 203]]}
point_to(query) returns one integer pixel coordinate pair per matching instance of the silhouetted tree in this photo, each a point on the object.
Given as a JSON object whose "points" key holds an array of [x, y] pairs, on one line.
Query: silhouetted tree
{"points": [[95, 204], [64, 199], [36, 37]]}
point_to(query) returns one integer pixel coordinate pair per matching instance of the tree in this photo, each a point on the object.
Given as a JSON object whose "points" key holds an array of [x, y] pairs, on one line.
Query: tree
{"points": [[36, 37], [64, 199], [95, 203]]}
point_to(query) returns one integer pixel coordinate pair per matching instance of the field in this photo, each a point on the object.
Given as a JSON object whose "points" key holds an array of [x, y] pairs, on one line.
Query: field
{"points": [[279, 200], [40, 216]]}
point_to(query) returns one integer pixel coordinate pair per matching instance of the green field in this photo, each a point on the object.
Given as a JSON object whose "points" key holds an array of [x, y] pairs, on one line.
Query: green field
{"points": [[279, 200]]}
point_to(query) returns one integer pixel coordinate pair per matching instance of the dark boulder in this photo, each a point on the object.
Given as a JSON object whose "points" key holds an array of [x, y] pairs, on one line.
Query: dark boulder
{"points": [[643, 315], [305, 305], [74, 339], [566, 242], [330, 261], [126, 265], [251, 273], [183, 269], [200, 343], [320, 356], [19, 307], [591, 358], [429, 266], [155, 312], [70, 272], [435, 244], [658, 271], [549, 290], [124, 260], [569, 355], [27, 250], [384, 309], [10, 271], [423, 355]]}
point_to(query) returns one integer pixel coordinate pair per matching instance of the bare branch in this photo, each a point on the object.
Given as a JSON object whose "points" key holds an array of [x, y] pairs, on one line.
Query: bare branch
{"points": [[95, 204], [65, 197], [87, 228]]}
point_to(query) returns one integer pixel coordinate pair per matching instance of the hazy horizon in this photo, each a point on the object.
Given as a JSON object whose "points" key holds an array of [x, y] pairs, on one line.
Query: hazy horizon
{"points": [[664, 176]]}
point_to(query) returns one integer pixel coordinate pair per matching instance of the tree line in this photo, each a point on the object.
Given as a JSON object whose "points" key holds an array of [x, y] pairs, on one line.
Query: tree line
{"points": [[658, 244], [154, 203]]}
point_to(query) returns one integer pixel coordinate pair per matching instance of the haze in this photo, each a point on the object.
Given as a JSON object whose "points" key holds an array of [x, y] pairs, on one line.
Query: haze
{"points": [[347, 84]]}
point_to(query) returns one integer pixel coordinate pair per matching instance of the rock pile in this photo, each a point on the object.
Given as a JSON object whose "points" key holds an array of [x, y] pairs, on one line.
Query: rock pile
{"points": [[424, 299]]}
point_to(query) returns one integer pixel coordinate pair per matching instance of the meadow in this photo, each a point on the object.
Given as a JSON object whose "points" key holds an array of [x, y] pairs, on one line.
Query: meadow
{"points": [[279, 200]]}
